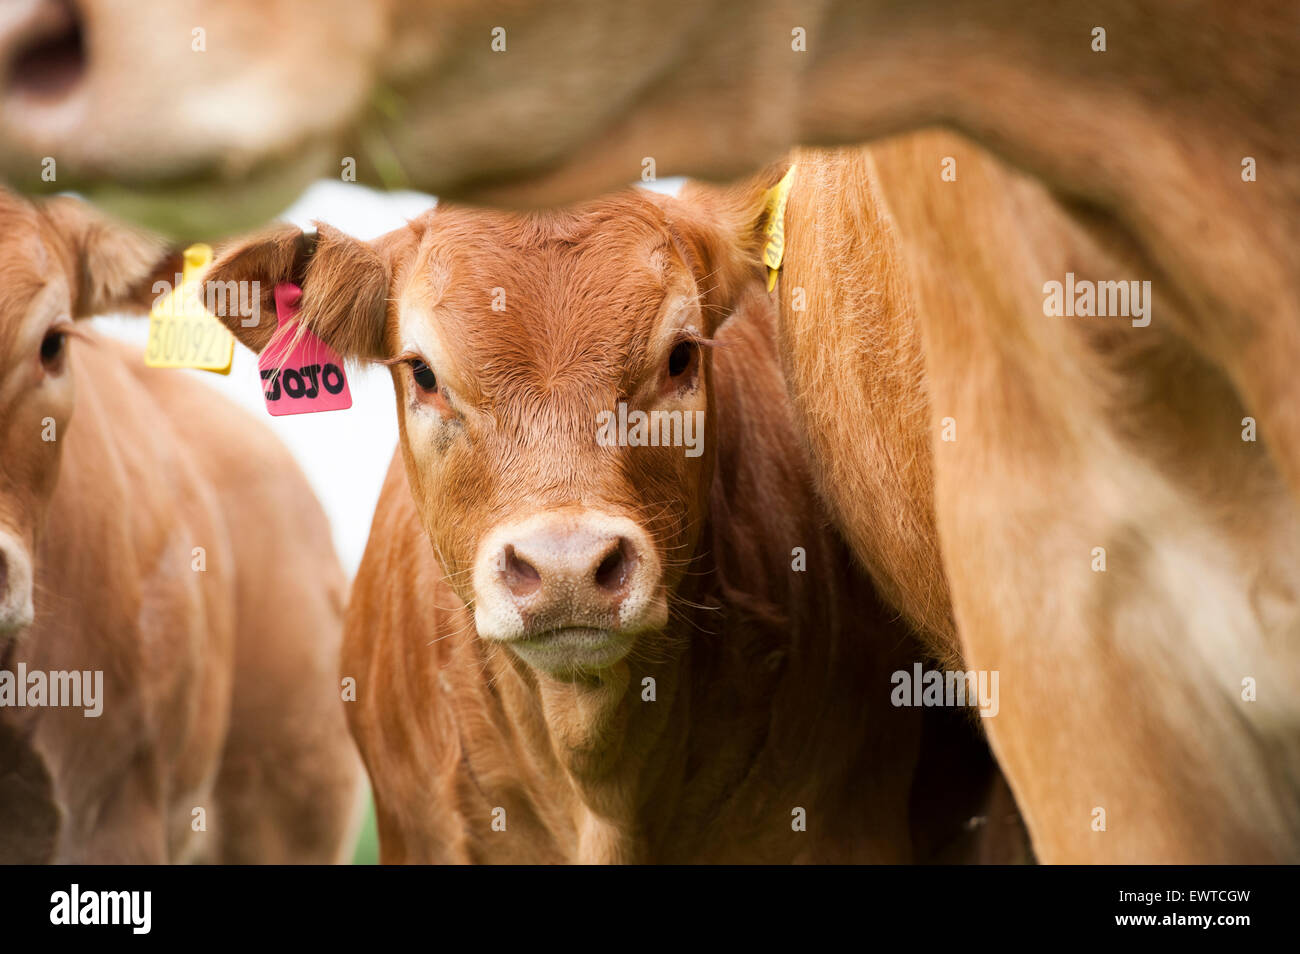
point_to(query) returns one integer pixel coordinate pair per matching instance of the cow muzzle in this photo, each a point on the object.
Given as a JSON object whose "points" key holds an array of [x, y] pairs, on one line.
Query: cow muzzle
{"points": [[16, 609], [568, 592]]}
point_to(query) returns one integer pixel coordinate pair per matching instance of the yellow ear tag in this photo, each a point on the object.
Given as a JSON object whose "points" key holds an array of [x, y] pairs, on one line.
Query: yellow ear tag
{"points": [[182, 333], [774, 208]]}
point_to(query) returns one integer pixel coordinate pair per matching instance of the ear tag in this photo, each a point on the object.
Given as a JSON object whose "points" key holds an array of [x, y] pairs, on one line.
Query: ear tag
{"points": [[182, 333], [774, 208], [300, 373]]}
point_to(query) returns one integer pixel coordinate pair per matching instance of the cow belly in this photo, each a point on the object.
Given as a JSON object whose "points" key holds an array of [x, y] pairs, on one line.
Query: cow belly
{"points": [[187, 634], [29, 809]]}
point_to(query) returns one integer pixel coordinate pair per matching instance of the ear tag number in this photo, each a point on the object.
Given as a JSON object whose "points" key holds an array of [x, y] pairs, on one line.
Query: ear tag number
{"points": [[182, 333], [300, 373], [774, 229]]}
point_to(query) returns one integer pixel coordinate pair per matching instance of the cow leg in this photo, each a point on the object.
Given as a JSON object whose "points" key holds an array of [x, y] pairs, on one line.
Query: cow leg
{"points": [[127, 826], [1147, 709], [29, 810]]}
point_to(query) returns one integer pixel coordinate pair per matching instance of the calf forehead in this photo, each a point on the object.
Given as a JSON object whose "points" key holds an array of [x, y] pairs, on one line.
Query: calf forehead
{"points": [[553, 300]]}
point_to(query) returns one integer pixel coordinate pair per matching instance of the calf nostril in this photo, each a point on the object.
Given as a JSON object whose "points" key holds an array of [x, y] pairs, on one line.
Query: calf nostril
{"points": [[614, 570], [4, 575], [521, 577]]}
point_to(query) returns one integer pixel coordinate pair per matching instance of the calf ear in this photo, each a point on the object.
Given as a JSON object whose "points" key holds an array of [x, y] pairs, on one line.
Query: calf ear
{"points": [[111, 266], [723, 229], [246, 271], [344, 285]]}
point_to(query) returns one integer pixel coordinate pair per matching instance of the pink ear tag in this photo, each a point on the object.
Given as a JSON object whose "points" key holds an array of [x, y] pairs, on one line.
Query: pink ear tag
{"points": [[302, 376]]}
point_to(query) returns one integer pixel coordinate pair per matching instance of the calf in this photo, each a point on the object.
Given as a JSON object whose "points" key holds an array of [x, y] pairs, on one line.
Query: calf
{"points": [[574, 640], [160, 552]]}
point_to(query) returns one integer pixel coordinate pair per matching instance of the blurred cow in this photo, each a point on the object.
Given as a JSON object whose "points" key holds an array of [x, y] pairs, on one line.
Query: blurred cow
{"points": [[161, 545]]}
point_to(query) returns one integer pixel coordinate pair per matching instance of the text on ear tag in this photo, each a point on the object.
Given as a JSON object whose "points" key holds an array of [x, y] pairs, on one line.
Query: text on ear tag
{"points": [[774, 228], [182, 332], [300, 373]]}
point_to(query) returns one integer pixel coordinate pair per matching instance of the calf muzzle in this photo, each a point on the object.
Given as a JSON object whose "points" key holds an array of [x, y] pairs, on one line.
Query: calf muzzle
{"points": [[568, 590]]}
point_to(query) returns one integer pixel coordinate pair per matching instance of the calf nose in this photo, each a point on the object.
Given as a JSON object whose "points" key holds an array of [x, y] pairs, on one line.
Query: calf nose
{"points": [[566, 571], [589, 568], [15, 585]]}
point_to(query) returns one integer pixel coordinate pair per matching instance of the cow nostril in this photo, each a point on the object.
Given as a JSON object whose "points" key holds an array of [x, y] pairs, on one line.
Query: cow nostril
{"points": [[521, 577], [4, 575], [614, 570], [53, 61]]}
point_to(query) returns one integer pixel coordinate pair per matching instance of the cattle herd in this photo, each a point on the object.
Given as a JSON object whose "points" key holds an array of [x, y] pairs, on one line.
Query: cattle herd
{"points": [[919, 483]]}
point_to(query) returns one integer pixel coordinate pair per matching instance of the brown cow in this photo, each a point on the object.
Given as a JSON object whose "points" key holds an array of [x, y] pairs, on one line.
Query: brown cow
{"points": [[1116, 544], [571, 647], [165, 545]]}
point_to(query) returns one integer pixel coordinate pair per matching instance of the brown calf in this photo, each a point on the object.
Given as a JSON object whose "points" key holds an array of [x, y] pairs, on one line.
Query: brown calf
{"points": [[164, 540], [571, 648]]}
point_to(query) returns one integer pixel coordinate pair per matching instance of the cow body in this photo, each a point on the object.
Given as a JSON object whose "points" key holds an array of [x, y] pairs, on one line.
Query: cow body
{"points": [[1110, 542], [182, 555]]}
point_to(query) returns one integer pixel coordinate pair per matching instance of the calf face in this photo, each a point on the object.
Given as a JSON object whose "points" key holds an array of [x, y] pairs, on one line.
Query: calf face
{"points": [[535, 371], [58, 262]]}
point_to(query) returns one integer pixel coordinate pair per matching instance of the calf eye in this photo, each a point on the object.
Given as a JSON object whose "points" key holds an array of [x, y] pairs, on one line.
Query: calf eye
{"points": [[424, 376], [681, 358], [52, 346]]}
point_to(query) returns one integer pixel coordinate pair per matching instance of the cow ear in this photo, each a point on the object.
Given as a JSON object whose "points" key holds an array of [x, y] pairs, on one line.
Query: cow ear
{"points": [[345, 294], [112, 267], [724, 231], [344, 285], [245, 273]]}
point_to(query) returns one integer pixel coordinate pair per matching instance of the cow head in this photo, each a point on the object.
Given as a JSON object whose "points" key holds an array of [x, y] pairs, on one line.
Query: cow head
{"points": [[257, 95], [58, 262], [536, 358]]}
